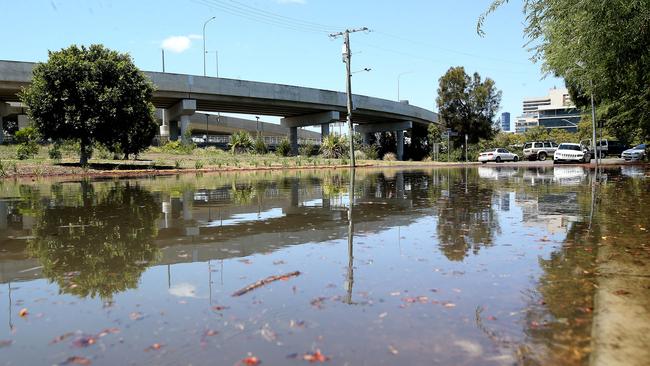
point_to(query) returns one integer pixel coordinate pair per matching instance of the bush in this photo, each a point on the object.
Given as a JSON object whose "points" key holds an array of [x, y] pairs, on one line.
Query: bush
{"points": [[306, 149], [360, 155], [260, 146], [241, 142], [177, 147], [27, 139], [55, 152], [283, 148], [333, 146], [390, 157], [198, 164], [371, 151]]}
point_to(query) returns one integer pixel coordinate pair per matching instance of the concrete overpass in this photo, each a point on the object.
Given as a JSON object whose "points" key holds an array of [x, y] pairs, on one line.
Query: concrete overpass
{"points": [[181, 96]]}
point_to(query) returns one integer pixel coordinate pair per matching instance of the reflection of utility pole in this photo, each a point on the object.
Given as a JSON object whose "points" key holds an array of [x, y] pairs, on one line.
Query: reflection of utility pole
{"points": [[11, 326], [169, 276], [210, 280], [350, 276]]}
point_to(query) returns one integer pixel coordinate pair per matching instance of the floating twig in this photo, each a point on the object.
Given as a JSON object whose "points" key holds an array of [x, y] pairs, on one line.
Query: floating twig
{"points": [[265, 281]]}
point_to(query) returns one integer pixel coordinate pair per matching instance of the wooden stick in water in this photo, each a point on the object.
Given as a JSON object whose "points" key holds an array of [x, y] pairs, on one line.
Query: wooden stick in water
{"points": [[265, 281]]}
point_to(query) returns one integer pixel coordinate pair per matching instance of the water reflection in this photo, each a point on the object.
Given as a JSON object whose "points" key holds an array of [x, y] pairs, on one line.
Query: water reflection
{"points": [[99, 242], [414, 252], [467, 219]]}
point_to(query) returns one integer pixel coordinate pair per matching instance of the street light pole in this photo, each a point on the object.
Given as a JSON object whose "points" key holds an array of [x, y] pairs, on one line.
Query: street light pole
{"points": [[204, 24], [398, 77]]}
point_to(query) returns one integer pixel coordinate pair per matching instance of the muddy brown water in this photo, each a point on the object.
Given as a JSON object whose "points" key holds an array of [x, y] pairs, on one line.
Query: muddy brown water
{"points": [[460, 266]]}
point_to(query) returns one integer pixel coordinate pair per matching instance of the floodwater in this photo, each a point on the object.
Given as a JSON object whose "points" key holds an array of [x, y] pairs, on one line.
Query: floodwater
{"points": [[463, 266]]}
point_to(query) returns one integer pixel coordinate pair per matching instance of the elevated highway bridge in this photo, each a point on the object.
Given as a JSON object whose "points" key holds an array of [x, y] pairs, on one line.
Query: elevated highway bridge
{"points": [[181, 96]]}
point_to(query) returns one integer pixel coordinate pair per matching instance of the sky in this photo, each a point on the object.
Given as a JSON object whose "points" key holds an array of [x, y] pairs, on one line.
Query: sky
{"points": [[287, 41]]}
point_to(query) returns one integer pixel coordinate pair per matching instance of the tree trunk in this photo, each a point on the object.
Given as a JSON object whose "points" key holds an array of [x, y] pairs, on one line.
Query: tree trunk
{"points": [[84, 153]]}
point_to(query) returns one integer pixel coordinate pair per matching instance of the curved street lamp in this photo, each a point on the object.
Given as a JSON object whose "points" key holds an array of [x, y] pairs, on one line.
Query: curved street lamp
{"points": [[204, 24], [398, 77]]}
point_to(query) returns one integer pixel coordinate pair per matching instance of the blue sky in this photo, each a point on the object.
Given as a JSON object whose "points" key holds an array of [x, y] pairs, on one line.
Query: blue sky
{"points": [[419, 38]]}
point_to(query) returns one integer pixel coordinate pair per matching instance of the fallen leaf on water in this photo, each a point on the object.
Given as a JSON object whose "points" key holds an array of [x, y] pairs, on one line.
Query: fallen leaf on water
{"points": [[396, 293], [251, 361], [491, 317], [210, 333], [420, 299], [6, 343], [62, 337], [108, 331], [136, 315], [450, 305], [383, 315], [315, 357], [154, 347], [219, 308], [23, 312], [84, 342], [622, 292], [77, 360], [392, 349]]}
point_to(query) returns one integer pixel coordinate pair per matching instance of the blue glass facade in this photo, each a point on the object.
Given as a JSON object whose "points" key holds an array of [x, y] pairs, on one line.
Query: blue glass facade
{"points": [[505, 121]]}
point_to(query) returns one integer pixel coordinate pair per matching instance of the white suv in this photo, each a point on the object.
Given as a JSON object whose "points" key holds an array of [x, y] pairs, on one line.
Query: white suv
{"points": [[539, 150]]}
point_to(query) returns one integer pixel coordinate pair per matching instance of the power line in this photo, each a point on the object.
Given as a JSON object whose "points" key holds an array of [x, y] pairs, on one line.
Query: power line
{"points": [[401, 38], [262, 16]]}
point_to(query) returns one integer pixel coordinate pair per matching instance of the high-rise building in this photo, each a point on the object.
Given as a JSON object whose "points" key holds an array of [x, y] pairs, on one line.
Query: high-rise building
{"points": [[505, 121], [553, 111]]}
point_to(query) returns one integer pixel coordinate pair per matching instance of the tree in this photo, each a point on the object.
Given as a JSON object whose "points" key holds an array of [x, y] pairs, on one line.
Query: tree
{"points": [[92, 95], [467, 104], [597, 47]]}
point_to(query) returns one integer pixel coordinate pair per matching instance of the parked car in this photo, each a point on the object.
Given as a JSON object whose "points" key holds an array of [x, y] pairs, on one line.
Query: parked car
{"points": [[497, 156], [569, 152], [639, 152], [539, 150], [611, 148]]}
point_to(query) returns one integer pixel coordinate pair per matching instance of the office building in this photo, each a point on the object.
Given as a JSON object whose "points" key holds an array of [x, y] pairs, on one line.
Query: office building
{"points": [[556, 110]]}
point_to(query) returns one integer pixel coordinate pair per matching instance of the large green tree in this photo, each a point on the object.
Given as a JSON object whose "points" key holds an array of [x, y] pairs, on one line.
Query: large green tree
{"points": [[599, 47], [92, 95], [468, 104]]}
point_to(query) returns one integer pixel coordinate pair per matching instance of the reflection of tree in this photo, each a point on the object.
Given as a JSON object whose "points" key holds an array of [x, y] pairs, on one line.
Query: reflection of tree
{"points": [[466, 218], [559, 315], [100, 245], [558, 318]]}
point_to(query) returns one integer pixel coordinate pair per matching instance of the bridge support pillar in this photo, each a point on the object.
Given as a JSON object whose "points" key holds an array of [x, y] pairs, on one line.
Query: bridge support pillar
{"points": [[23, 121], [2, 131], [173, 130], [180, 114], [367, 138], [400, 145], [3, 215], [398, 127], [293, 140], [185, 129], [324, 131]]}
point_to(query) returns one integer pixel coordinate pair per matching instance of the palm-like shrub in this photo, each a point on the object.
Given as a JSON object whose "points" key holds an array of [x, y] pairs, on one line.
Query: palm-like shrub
{"points": [[260, 146], [333, 146], [241, 142], [283, 148]]}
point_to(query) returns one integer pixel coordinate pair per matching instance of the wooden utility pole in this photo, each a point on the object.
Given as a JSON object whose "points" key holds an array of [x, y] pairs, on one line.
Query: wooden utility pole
{"points": [[347, 59]]}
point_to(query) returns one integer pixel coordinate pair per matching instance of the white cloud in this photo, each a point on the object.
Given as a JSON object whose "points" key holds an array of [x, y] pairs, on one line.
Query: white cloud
{"points": [[179, 44], [183, 290], [292, 1]]}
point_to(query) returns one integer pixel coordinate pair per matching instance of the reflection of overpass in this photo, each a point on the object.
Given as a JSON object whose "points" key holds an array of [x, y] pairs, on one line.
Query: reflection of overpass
{"points": [[193, 230], [182, 95]]}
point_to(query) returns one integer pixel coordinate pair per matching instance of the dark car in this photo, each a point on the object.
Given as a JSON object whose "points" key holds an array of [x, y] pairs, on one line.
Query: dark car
{"points": [[611, 148]]}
